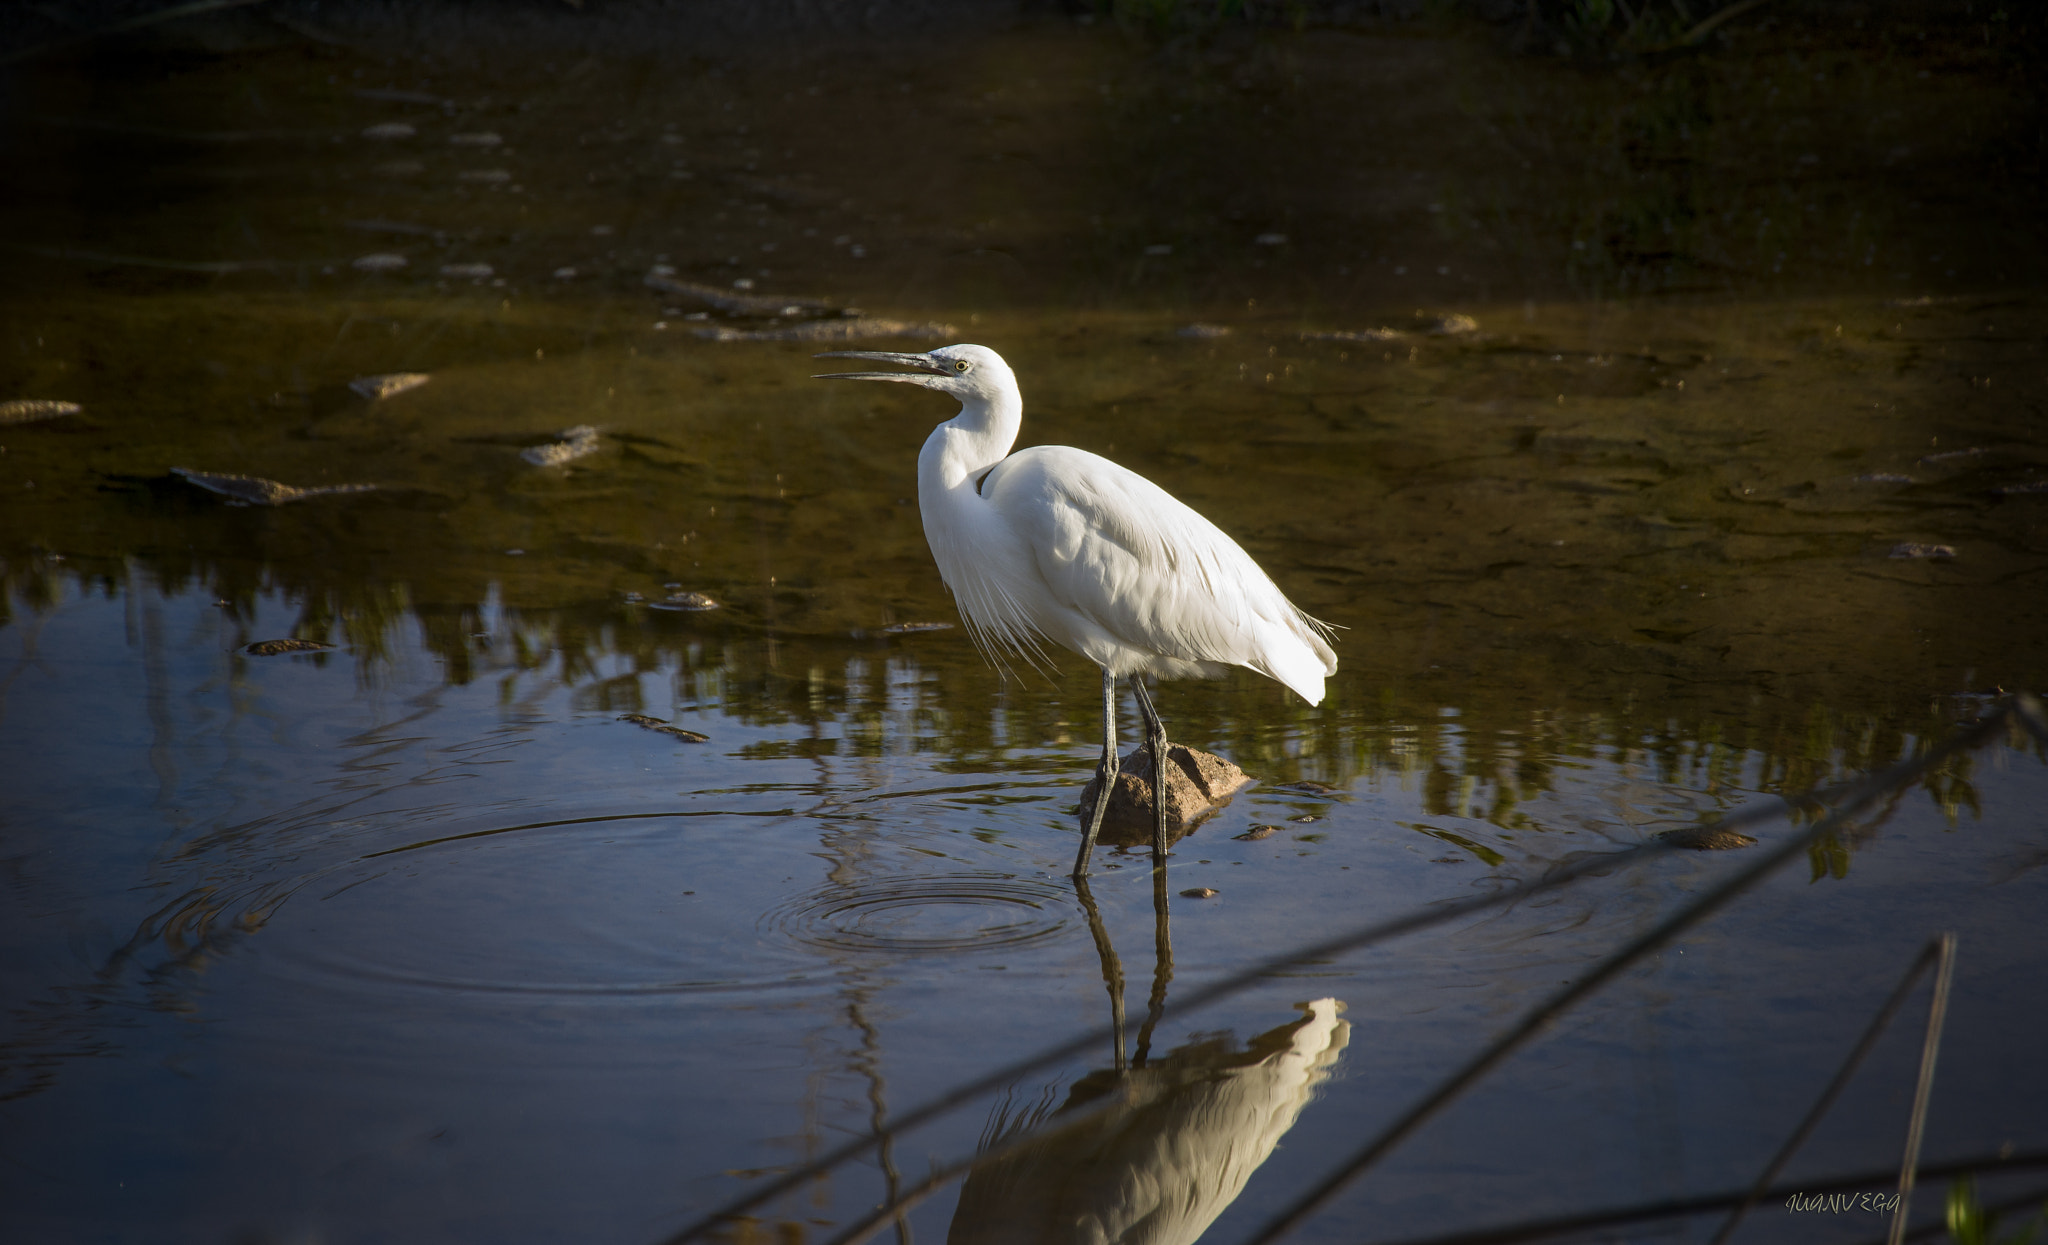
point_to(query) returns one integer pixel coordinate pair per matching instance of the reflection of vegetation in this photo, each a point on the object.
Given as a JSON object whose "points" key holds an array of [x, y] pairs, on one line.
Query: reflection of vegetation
{"points": [[1970, 1224], [1483, 762]]}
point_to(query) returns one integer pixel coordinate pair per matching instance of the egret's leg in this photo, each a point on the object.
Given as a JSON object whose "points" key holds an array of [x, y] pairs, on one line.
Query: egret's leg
{"points": [[1156, 744], [1105, 775], [1112, 971], [1162, 968]]}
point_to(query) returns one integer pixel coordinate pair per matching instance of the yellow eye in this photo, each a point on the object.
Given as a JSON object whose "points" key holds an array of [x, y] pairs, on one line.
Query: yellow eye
{"points": [[960, 365]]}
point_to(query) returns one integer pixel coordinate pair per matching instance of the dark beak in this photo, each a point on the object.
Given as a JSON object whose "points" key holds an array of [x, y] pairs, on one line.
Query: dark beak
{"points": [[922, 363]]}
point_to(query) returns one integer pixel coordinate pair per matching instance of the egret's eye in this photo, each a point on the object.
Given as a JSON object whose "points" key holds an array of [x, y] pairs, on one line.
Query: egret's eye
{"points": [[960, 365]]}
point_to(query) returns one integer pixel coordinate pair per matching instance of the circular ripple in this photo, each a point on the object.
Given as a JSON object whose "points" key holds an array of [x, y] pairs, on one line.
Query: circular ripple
{"points": [[961, 912]]}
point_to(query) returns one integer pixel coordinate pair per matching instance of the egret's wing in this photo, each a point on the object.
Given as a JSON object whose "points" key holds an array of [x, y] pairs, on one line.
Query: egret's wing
{"points": [[1120, 551]]}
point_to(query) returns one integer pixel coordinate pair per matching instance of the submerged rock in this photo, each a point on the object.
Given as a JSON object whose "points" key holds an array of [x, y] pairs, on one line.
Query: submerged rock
{"points": [[644, 722], [1706, 839], [257, 491], [1305, 786], [29, 410], [912, 628], [271, 648], [1197, 784], [378, 388], [575, 443]]}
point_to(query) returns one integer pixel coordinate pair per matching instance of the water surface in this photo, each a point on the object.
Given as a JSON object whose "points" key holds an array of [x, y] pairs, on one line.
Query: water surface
{"points": [[1664, 434]]}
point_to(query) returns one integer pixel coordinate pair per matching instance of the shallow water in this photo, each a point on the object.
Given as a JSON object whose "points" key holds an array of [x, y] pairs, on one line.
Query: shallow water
{"points": [[1637, 508]]}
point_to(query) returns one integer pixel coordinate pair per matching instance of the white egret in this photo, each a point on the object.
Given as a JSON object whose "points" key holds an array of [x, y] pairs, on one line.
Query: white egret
{"points": [[1054, 543]]}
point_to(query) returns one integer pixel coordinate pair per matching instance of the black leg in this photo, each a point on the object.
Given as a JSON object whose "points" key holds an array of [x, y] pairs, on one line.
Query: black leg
{"points": [[1105, 775], [1112, 971], [1162, 968], [1156, 744]]}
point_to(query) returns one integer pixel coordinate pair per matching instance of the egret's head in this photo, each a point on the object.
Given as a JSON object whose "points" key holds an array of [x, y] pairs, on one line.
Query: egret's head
{"points": [[973, 374]]}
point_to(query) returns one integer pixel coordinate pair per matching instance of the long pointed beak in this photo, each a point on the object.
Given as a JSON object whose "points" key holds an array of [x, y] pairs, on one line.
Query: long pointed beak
{"points": [[923, 363]]}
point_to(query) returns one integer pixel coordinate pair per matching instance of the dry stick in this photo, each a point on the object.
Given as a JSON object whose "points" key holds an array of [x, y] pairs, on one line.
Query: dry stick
{"points": [[1937, 1016], [1854, 793], [1537, 1020], [1827, 1097], [1678, 1208]]}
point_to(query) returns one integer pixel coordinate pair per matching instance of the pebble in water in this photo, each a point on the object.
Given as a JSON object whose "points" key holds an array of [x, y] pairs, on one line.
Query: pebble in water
{"points": [[271, 648], [378, 388], [1203, 331], [483, 138], [1256, 833], [1200, 892], [390, 130], [1270, 239], [257, 491], [29, 410], [574, 444], [492, 176], [644, 722], [1914, 549], [382, 261], [476, 271], [911, 628], [693, 602]]}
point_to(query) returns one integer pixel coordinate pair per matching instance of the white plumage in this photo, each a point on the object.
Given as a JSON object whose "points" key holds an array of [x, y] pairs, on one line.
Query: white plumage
{"points": [[1053, 543]]}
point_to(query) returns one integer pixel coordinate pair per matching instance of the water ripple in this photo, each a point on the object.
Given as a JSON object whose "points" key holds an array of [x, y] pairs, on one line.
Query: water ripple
{"points": [[953, 913]]}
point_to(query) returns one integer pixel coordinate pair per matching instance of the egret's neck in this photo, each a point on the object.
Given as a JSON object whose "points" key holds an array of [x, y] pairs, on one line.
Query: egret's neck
{"points": [[962, 448]]}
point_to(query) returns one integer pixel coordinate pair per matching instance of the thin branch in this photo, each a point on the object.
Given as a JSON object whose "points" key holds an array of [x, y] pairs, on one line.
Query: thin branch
{"points": [[1890, 1008], [1930, 1048]]}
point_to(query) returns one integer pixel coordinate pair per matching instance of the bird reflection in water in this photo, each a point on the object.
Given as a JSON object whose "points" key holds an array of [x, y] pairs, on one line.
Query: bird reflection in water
{"points": [[1160, 1166]]}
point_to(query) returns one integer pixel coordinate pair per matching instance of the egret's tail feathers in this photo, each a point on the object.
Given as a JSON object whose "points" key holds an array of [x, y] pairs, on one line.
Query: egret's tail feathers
{"points": [[1297, 657]]}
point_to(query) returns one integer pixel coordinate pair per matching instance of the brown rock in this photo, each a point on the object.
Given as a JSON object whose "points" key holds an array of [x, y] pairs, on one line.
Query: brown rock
{"points": [[1200, 892], [1197, 784]]}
